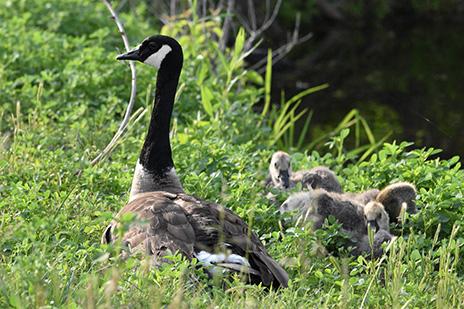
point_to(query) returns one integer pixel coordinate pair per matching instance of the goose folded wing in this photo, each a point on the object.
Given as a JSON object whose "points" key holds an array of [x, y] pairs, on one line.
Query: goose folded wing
{"points": [[160, 227], [216, 227]]}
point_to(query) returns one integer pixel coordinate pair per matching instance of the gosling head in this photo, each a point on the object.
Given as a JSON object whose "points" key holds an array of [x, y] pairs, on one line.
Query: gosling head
{"points": [[157, 51], [280, 169], [376, 216], [296, 201]]}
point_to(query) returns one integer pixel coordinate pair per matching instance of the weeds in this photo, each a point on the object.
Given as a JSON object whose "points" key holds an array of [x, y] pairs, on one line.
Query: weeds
{"points": [[62, 97]]}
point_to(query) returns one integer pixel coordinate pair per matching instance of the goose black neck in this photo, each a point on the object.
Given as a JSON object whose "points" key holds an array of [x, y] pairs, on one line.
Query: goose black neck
{"points": [[156, 156]]}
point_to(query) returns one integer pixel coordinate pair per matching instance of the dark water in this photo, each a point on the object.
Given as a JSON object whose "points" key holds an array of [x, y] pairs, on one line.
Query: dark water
{"points": [[406, 77]]}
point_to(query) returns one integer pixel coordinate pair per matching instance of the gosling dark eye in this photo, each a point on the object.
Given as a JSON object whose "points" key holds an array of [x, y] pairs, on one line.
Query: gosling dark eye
{"points": [[275, 165]]}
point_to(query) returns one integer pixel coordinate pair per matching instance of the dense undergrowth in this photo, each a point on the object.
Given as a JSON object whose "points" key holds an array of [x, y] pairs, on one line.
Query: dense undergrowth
{"points": [[61, 98]]}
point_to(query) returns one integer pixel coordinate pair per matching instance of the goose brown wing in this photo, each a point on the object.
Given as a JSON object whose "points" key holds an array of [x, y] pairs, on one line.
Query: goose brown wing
{"points": [[160, 226], [216, 227], [179, 222]]}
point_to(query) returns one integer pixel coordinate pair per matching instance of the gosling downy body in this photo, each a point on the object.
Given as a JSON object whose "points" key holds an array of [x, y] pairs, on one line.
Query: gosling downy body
{"points": [[319, 177], [317, 205], [363, 197], [167, 219], [314, 206], [361, 245]]}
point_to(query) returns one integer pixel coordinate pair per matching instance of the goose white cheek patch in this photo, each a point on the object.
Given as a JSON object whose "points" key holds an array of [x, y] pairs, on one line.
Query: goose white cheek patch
{"points": [[158, 57]]}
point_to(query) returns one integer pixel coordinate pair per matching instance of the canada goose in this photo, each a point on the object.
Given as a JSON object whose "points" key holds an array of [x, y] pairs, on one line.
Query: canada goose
{"points": [[316, 205], [169, 220], [398, 197], [281, 175]]}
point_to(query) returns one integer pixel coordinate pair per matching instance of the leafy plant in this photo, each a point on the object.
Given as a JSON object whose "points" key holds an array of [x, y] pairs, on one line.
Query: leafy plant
{"points": [[62, 98]]}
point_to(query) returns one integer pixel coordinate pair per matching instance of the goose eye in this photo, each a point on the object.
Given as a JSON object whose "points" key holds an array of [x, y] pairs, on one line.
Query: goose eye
{"points": [[275, 165]]}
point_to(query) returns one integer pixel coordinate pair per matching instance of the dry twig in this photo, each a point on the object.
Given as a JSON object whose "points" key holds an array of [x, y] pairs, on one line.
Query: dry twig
{"points": [[252, 28], [283, 50], [227, 24], [127, 116]]}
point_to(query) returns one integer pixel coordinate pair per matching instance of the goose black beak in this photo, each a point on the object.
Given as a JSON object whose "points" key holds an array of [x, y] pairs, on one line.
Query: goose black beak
{"points": [[130, 55]]}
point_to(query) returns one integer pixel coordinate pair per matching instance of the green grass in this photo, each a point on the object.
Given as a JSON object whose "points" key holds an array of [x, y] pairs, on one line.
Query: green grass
{"points": [[61, 99]]}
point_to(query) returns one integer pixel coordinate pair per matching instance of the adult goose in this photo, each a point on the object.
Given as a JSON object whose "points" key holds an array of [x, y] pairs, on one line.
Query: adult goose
{"points": [[168, 220]]}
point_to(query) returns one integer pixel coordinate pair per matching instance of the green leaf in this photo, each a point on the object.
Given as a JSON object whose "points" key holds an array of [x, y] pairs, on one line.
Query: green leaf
{"points": [[254, 77], [206, 98], [239, 43], [267, 83]]}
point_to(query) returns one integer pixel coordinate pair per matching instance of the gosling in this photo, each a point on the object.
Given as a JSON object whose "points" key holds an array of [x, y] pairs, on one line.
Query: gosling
{"points": [[319, 177], [316, 205], [281, 176]]}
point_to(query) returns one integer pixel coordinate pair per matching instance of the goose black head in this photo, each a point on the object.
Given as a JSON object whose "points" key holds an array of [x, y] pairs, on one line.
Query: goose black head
{"points": [[155, 51]]}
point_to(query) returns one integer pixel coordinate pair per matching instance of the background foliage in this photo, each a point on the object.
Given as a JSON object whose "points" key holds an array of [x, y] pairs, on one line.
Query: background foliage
{"points": [[61, 99]]}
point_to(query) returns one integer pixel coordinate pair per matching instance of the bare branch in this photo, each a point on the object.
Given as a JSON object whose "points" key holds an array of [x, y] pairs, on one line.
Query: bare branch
{"points": [[270, 20], [220, 5], [252, 14], [268, 9], [283, 50], [226, 25], [256, 33], [172, 7], [204, 9], [281, 53], [127, 115]]}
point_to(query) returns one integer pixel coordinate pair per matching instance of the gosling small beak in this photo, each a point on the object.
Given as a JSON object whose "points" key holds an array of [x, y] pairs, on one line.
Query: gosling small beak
{"points": [[373, 224], [285, 178], [130, 55]]}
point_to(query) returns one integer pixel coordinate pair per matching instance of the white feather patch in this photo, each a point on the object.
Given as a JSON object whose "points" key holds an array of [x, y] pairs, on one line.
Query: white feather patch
{"points": [[210, 259], [157, 58]]}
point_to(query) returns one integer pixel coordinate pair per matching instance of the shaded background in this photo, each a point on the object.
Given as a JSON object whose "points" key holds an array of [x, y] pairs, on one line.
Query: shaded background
{"points": [[400, 63]]}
